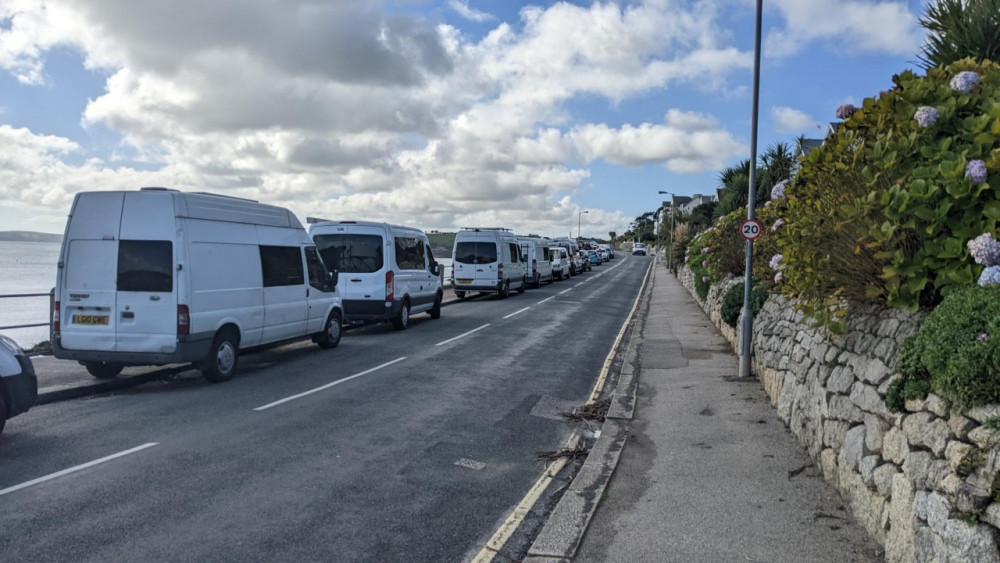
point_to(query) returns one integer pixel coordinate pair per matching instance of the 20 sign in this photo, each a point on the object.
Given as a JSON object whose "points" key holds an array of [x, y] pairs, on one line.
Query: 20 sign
{"points": [[750, 229]]}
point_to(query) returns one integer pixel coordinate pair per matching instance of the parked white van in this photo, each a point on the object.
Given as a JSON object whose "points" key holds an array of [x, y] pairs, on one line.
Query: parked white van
{"points": [[571, 247], [560, 262], [158, 276], [488, 261], [387, 272], [537, 261]]}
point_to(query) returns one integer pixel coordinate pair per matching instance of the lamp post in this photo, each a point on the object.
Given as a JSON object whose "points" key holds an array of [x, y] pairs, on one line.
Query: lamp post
{"points": [[579, 222], [670, 249]]}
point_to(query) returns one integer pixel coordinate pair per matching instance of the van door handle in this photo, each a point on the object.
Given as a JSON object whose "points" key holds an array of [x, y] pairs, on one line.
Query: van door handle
{"points": [[355, 279]]}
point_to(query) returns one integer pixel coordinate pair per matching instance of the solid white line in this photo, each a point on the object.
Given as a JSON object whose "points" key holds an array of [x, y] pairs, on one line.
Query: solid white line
{"points": [[462, 335], [77, 468], [328, 385], [546, 299], [517, 312]]}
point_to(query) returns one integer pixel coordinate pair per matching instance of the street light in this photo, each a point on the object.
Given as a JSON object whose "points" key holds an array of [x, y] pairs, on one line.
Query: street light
{"points": [[579, 219], [670, 251]]}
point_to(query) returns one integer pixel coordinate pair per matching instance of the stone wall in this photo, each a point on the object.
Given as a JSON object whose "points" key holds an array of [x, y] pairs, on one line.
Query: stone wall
{"points": [[922, 482]]}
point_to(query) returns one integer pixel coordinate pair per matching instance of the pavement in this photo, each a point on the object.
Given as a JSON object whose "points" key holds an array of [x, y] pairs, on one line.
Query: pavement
{"points": [[693, 464]]}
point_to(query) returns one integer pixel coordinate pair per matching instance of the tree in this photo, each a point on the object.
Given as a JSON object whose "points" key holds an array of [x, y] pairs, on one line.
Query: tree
{"points": [[959, 29]]}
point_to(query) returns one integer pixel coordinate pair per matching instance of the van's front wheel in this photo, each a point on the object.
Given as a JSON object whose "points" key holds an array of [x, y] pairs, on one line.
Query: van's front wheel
{"points": [[402, 320], [103, 370], [223, 358], [436, 309], [330, 336]]}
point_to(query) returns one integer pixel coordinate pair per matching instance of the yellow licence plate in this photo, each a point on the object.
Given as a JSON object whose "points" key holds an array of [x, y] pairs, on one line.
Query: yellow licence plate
{"points": [[465, 281], [90, 319]]}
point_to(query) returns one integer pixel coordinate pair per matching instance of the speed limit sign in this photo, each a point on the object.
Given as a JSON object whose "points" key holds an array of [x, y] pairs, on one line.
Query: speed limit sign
{"points": [[750, 229]]}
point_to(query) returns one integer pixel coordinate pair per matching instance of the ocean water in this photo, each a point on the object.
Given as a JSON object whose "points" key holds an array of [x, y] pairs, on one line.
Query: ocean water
{"points": [[27, 267]]}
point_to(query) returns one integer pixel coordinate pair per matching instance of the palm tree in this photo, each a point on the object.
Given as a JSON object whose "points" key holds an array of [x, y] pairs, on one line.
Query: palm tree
{"points": [[777, 163], [959, 29]]}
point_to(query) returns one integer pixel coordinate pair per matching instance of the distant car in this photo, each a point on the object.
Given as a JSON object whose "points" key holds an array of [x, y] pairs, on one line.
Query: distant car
{"points": [[582, 261], [18, 383], [638, 249], [560, 262], [595, 257], [610, 249], [603, 254]]}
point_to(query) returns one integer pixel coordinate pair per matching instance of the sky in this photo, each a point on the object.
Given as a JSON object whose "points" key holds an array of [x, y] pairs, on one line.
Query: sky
{"points": [[543, 117]]}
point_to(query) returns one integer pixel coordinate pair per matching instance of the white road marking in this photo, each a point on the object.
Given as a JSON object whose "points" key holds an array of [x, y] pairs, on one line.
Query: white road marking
{"points": [[564, 291], [328, 385], [517, 312], [546, 299], [470, 463], [76, 468], [462, 335]]}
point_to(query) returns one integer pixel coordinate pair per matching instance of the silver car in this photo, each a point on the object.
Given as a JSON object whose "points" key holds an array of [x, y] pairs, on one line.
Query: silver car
{"points": [[18, 383]]}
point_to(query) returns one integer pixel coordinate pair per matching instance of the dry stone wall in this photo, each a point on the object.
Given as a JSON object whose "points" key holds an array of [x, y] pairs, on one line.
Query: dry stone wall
{"points": [[922, 482]]}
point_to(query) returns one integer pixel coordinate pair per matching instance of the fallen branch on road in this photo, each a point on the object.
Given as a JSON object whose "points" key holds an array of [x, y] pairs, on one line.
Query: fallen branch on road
{"points": [[591, 411], [578, 451]]}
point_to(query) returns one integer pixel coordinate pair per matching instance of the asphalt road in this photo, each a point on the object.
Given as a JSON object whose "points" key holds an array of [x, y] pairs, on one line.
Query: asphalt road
{"points": [[417, 454]]}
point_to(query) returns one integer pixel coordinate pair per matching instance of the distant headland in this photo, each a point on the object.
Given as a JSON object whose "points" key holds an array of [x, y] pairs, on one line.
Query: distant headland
{"points": [[28, 236]]}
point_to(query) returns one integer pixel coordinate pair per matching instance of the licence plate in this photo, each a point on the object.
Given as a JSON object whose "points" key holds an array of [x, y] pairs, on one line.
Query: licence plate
{"points": [[90, 319], [465, 281]]}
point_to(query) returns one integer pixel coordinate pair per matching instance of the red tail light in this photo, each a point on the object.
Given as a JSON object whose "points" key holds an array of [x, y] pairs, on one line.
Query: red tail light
{"points": [[390, 288], [183, 320], [56, 317], [500, 271]]}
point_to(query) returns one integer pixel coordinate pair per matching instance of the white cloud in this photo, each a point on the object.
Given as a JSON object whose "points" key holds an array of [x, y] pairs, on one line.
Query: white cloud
{"points": [[867, 26], [791, 120], [336, 109], [471, 14]]}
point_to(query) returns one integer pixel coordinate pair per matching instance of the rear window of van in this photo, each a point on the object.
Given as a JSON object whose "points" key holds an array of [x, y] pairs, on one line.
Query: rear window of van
{"points": [[145, 265], [355, 254], [476, 252]]}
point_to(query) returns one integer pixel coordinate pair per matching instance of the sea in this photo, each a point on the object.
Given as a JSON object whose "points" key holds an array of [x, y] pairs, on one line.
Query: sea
{"points": [[28, 267]]}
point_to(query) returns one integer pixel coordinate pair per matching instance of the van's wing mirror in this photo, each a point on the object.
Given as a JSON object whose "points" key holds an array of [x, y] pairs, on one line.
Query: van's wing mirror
{"points": [[334, 278], [436, 269]]}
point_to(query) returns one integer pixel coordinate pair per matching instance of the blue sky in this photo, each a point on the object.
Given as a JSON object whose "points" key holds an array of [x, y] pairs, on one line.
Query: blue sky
{"points": [[438, 114]]}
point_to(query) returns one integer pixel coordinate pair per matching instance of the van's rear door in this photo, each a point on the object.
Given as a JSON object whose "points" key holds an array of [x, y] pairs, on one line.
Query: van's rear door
{"points": [[87, 272], [146, 276], [359, 253], [476, 259]]}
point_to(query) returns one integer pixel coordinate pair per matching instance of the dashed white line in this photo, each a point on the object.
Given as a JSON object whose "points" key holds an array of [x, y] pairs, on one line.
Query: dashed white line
{"points": [[564, 291], [464, 334], [328, 385], [517, 312], [76, 468], [546, 299]]}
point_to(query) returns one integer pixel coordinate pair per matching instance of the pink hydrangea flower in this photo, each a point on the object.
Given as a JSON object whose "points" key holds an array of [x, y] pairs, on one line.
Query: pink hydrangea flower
{"points": [[779, 277], [775, 262], [964, 81], [845, 111], [777, 225], [976, 171], [926, 116], [778, 191], [985, 250]]}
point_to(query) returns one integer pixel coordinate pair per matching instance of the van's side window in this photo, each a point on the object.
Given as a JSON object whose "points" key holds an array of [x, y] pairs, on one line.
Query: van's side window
{"points": [[318, 277], [281, 265], [145, 265], [429, 257], [546, 254], [515, 253], [410, 254]]}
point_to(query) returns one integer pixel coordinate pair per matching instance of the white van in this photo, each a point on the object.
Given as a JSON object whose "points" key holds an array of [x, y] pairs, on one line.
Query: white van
{"points": [[537, 261], [158, 276], [387, 272], [571, 247], [560, 262], [488, 261]]}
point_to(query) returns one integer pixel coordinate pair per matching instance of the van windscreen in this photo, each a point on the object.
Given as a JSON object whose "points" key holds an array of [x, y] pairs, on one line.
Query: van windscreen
{"points": [[145, 265], [476, 252], [357, 254]]}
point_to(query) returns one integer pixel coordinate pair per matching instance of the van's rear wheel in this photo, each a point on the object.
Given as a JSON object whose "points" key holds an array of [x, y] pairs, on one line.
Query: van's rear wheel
{"points": [[104, 370], [223, 358], [523, 286], [505, 290], [3, 413], [330, 336], [402, 320], [436, 309]]}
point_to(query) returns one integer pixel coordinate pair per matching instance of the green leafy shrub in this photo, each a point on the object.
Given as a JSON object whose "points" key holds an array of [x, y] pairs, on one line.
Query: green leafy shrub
{"points": [[732, 302], [958, 348], [905, 389], [882, 211]]}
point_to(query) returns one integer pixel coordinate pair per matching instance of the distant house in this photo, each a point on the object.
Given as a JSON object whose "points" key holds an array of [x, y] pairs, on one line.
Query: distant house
{"points": [[688, 203]]}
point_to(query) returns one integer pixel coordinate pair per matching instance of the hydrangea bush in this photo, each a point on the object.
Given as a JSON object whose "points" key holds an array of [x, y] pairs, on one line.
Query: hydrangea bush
{"points": [[882, 211]]}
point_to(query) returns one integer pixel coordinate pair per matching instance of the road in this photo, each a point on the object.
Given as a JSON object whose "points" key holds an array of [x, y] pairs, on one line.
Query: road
{"points": [[395, 446]]}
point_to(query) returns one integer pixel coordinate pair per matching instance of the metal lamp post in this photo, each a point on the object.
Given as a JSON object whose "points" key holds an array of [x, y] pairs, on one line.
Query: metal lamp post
{"points": [[670, 249], [579, 222]]}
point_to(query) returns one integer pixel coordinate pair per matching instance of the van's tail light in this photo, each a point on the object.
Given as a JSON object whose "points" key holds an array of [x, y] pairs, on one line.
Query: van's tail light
{"points": [[390, 287], [500, 271], [56, 317], [183, 320]]}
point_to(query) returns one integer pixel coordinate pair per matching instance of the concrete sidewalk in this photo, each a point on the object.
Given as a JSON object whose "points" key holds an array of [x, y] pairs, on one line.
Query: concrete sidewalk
{"points": [[705, 470]]}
